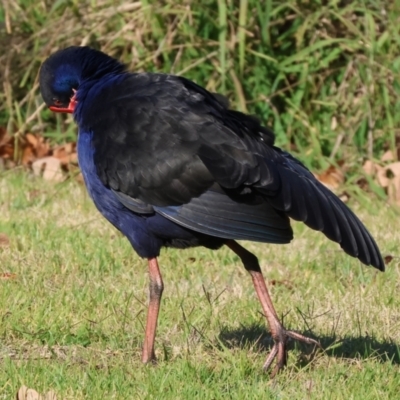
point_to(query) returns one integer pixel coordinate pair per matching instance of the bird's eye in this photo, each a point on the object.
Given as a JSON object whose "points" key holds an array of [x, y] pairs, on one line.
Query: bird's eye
{"points": [[57, 102]]}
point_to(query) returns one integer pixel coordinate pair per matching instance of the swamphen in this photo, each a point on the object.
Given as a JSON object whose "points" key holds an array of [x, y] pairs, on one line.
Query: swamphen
{"points": [[169, 164]]}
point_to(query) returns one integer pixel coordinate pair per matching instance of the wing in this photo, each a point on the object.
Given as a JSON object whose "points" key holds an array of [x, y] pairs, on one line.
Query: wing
{"points": [[165, 141], [144, 146], [150, 142], [216, 213]]}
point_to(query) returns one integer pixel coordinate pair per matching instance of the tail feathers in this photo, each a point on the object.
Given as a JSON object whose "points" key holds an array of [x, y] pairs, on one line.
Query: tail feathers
{"points": [[303, 198]]}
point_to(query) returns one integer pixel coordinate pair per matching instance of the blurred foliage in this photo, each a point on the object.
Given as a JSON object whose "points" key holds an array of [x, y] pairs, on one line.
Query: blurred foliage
{"points": [[324, 74]]}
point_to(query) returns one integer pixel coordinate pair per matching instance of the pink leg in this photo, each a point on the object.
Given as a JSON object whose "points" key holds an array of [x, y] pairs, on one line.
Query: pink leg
{"points": [[156, 288], [278, 332]]}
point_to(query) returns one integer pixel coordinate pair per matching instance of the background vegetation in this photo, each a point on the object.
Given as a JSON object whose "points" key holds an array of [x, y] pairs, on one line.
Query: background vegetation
{"points": [[325, 74]]}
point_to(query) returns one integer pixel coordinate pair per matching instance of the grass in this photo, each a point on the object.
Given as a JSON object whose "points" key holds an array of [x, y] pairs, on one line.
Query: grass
{"points": [[72, 319]]}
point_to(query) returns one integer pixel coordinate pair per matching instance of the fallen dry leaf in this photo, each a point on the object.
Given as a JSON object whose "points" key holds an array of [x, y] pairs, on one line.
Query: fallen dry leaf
{"points": [[387, 173], [66, 153], [6, 145], [7, 276], [285, 282], [388, 156], [371, 168], [25, 393], [33, 147], [332, 178], [388, 177], [28, 149], [51, 395], [23, 150], [4, 240], [388, 259], [49, 168], [32, 139]]}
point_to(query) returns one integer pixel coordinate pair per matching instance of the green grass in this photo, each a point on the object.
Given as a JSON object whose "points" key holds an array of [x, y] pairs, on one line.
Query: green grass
{"points": [[325, 75], [72, 319]]}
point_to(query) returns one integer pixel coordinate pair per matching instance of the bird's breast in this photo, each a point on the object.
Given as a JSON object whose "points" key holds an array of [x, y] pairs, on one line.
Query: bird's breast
{"points": [[86, 161], [103, 197]]}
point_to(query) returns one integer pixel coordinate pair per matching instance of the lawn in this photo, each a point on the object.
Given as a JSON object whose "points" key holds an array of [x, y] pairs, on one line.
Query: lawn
{"points": [[73, 301]]}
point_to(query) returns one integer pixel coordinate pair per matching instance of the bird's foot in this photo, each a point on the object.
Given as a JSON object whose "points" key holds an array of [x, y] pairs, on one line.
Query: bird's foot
{"points": [[279, 350], [149, 357]]}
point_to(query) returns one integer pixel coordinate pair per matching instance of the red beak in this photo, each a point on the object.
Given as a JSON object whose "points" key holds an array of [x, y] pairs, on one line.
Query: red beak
{"points": [[71, 106]]}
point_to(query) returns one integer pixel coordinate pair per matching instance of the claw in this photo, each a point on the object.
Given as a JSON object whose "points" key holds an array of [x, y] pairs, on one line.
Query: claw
{"points": [[279, 333], [279, 351]]}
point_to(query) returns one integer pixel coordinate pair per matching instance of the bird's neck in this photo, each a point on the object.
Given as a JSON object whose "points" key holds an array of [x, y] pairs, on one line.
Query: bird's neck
{"points": [[91, 90], [96, 65]]}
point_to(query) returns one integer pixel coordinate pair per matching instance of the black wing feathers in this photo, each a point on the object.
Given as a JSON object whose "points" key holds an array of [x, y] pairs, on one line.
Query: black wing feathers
{"points": [[216, 213], [145, 144], [303, 198], [165, 141]]}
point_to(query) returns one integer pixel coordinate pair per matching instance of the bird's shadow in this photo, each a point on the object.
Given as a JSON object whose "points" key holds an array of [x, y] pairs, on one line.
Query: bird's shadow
{"points": [[360, 347]]}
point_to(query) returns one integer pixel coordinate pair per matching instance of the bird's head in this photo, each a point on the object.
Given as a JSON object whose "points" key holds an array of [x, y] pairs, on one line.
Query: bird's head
{"points": [[64, 71]]}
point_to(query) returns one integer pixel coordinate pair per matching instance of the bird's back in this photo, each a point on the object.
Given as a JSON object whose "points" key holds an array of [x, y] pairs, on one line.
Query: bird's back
{"points": [[165, 142]]}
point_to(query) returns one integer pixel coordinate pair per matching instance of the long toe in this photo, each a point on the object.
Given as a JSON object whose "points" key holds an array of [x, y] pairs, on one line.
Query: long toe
{"points": [[279, 353], [302, 338], [271, 357], [279, 350]]}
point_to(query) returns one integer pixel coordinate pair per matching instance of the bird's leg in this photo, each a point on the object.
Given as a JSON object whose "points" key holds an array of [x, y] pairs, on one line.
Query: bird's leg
{"points": [[156, 288], [278, 332]]}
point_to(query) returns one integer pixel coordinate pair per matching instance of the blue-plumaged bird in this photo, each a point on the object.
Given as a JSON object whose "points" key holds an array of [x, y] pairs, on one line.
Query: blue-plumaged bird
{"points": [[170, 165]]}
